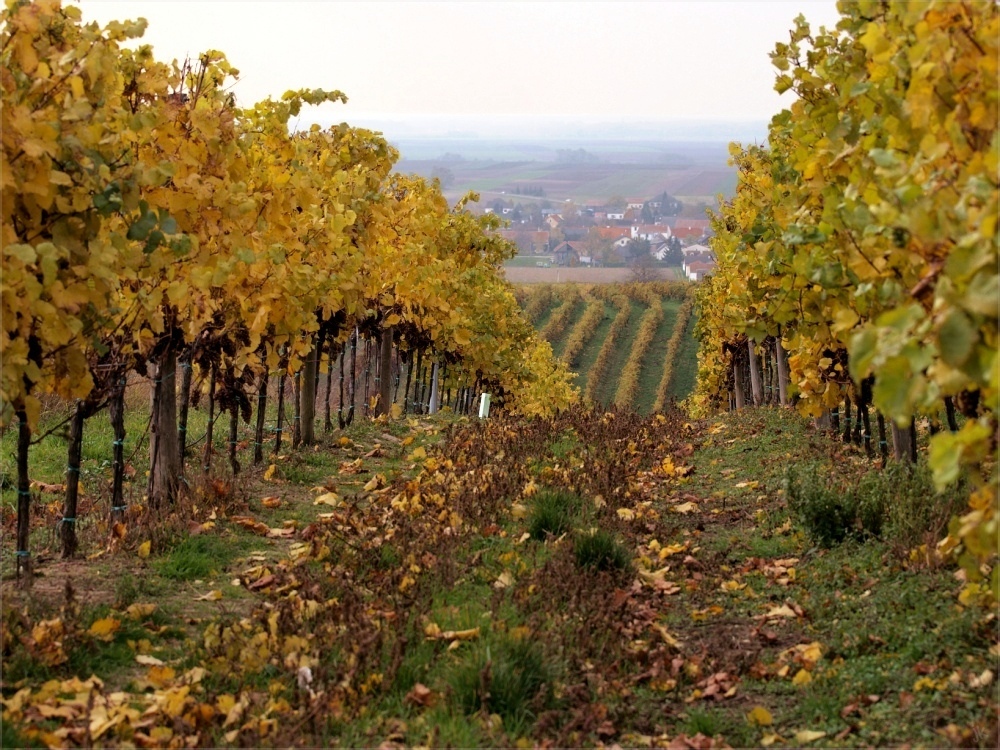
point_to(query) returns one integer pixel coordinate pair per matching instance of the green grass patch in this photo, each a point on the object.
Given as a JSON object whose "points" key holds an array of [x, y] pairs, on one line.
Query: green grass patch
{"points": [[202, 556], [510, 677], [655, 358], [553, 512], [616, 363], [686, 365], [602, 550]]}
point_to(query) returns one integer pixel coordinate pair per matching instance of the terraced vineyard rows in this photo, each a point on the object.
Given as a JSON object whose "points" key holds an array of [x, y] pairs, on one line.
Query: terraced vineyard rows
{"points": [[630, 344]]}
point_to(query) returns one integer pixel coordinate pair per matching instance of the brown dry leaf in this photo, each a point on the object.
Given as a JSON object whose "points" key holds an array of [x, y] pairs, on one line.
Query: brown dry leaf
{"points": [[280, 533], [211, 596], [251, 524], [271, 502], [687, 507], [148, 661], [421, 695], [262, 583]]}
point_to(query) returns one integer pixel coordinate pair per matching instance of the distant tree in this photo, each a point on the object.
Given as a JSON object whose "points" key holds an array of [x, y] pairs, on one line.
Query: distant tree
{"points": [[598, 247], [646, 215], [674, 255], [637, 248], [575, 156], [670, 206], [642, 268], [616, 203], [516, 214]]}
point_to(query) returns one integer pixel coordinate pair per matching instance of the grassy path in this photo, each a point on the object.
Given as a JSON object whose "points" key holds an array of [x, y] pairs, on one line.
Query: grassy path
{"points": [[698, 608], [559, 340], [686, 367], [607, 579], [588, 355], [652, 364], [609, 383]]}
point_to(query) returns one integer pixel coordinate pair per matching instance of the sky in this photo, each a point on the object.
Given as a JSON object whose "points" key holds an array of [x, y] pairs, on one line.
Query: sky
{"points": [[490, 68]]}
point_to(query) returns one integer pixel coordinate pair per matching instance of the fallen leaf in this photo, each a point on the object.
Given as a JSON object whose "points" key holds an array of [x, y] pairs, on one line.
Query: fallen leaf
{"points": [[421, 695], [144, 548], [271, 502], [417, 454], [138, 610], [808, 735], [261, 583], [760, 716], [105, 628], [687, 507], [270, 472], [330, 498], [783, 611], [211, 596], [148, 661], [802, 677], [160, 676]]}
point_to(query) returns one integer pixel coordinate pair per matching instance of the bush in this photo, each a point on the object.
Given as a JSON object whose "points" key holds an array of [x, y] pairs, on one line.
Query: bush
{"points": [[602, 551], [552, 513], [511, 679], [899, 502]]}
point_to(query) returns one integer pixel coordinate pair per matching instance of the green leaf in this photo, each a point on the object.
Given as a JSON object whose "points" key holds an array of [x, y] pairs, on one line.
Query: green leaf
{"points": [[956, 337], [983, 294], [139, 230]]}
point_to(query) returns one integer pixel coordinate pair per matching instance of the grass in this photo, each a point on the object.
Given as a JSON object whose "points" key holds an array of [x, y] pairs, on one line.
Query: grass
{"points": [[601, 551], [653, 362], [559, 341], [608, 386], [509, 677], [200, 556], [686, 366], [436, 629], [553, 513]]}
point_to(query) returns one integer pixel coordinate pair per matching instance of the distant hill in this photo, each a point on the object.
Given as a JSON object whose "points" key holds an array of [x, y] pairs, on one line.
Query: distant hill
{"points": [[630, 344]]}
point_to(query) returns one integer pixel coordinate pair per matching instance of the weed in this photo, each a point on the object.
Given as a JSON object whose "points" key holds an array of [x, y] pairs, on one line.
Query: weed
{"points": [[702, 722], [900, 499], [511, 678], [601, 550], [196, 557], [564, 446], [552, 513]]}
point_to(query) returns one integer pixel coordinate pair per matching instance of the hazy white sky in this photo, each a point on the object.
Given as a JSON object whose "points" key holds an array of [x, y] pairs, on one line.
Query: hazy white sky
{"points": [[611, 60]]}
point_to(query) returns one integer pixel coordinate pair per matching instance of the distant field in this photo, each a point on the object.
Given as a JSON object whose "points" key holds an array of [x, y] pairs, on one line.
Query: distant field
{"points": [[542, 300], [579, 182], [535, 275]]}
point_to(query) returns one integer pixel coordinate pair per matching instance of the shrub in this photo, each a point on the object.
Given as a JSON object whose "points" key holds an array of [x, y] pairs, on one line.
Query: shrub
{"points": [[510, 678], [899, 502], [552, 513], [602, 551]]}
